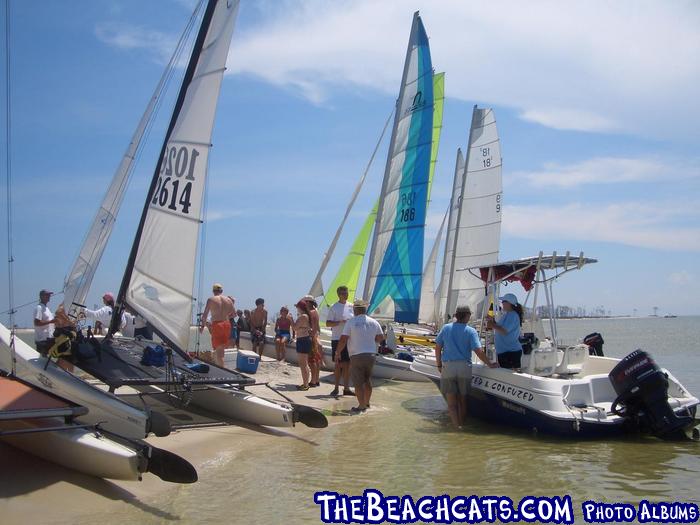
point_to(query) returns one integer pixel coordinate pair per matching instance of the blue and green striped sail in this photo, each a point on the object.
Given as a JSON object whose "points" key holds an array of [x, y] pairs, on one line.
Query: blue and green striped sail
{"points": [[396, 260]]}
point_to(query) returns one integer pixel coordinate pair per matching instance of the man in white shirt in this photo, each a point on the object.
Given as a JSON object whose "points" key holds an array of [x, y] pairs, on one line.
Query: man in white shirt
{"points": [[361, 334], [43, 323], [338, 314]]}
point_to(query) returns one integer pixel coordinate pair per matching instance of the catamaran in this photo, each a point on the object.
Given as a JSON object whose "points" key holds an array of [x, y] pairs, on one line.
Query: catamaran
{"points": [[158, 287], [561, 389]]}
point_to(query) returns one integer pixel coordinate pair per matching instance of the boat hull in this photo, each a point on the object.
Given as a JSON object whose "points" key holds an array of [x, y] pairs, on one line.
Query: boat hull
{"points": [[571, 407], [79, 449], [104, 409]]}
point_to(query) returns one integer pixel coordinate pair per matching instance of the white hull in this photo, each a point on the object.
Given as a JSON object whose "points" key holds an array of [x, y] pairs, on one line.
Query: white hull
{"points": [[105, 409], [79, 449], [243, 406], [384, 368], [561, 404]]}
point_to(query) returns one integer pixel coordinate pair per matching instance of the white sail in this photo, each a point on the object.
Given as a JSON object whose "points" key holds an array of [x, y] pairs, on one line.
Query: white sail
{"points": [[395, 264], [478, 233], [77, 282], [162, 275], [428, 313], [447, 259]]}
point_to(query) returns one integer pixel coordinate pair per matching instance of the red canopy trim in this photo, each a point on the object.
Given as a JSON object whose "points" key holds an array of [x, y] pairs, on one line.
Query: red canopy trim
{"points": [[509, 273]]}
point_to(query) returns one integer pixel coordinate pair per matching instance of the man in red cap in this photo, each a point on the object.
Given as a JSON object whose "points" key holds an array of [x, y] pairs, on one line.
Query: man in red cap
{"points": [[43, 323]]}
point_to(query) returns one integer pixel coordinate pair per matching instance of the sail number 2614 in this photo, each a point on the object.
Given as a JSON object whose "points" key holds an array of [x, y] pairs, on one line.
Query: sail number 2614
{"points": [[174, 186]]}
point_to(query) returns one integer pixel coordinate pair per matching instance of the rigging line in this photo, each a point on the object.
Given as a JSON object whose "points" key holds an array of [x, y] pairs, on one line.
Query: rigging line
{"points": [[8, 167], [202, 249]]}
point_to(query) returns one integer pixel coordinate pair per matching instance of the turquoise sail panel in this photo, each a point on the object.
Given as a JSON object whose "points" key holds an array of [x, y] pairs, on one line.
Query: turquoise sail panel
{"points": [[397, 267]]}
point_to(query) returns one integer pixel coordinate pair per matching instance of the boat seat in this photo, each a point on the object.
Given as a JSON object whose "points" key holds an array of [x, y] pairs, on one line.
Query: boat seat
{"points": [[573, 359], [543, 359]]}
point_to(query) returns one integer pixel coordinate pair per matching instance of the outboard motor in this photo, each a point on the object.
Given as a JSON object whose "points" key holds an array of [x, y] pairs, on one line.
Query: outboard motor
{"points": [[642, 397], [595, 344], [528, 341]]}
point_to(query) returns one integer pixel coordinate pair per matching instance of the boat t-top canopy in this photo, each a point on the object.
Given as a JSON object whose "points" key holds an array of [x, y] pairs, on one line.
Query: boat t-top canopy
{"points": [[526, 270]]}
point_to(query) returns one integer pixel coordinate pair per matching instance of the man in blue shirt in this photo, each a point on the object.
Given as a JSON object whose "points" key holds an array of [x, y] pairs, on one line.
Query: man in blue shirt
{"points": [[453, 353]]}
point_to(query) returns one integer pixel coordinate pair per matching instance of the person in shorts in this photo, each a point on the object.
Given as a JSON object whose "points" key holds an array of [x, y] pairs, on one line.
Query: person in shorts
{"points": [[453, 354], [361, 335], [338, 314]]}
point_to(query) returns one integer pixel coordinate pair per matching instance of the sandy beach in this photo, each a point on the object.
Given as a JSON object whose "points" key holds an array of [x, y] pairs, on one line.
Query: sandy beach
{"points": [[40, 491]]}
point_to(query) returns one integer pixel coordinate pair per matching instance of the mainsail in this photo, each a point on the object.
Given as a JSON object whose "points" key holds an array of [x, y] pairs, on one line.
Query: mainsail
{"points": [[77, 282], [159, 279], [396, 259], [447, 259], [478, 231]]}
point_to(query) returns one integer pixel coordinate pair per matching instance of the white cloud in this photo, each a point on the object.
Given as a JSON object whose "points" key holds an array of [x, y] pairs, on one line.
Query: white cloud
{"points": [[681, 278], [137, 38], [627, 66], [638, 224], [609, 170], [594, 66]]}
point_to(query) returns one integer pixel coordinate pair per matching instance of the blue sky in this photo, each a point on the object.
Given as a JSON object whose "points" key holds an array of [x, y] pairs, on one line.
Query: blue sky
{"points": [[596, 104]]}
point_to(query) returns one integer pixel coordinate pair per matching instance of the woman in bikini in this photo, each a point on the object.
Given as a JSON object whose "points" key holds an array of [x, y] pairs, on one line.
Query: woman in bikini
{"points": [[302, 328]]}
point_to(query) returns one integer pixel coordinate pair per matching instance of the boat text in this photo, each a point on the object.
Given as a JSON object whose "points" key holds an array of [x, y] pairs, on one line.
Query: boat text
{"points": [[508, 390]]}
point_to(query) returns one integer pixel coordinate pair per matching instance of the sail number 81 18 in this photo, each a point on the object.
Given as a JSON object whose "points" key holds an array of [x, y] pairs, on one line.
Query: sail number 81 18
{"points": [[174, 186]]}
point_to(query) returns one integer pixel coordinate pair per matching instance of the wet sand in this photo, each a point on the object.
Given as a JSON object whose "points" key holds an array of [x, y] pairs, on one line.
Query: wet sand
{"points": [[32, 489]]}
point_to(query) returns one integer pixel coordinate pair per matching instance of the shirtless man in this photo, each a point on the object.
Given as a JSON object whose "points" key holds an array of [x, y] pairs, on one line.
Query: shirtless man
{"points": [[221, 309], [258, 325]]}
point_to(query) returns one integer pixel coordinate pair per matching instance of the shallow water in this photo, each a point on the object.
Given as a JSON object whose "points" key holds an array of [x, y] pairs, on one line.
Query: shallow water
{"points": [[405, 445]]}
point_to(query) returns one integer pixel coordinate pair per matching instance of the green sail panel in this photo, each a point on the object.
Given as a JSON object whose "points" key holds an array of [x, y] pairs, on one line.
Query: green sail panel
{"points": [[439, 98], [349, 272]]}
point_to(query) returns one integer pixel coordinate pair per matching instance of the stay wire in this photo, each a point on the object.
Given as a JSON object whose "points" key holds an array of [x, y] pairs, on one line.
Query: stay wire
{"points": [[8, 168]]}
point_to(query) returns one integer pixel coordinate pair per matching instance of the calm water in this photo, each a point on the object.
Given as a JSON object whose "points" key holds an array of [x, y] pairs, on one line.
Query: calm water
{"points": [[405, 445]]}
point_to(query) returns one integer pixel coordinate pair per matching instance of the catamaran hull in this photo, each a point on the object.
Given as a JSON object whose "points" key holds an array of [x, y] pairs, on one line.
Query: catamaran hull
{"points": [[539, 404], [105, 409], [243, 406], [96, 454]]}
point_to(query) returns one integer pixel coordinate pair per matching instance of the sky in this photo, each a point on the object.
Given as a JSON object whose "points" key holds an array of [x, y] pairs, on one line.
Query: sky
{"points": [[596, 103]]}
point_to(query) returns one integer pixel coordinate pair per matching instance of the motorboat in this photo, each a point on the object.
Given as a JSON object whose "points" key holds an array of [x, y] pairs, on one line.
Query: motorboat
{"points": [[564, 389]]}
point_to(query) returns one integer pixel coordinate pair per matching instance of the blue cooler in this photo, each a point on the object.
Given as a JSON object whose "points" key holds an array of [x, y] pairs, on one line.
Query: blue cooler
{"points": [[247, 361]]}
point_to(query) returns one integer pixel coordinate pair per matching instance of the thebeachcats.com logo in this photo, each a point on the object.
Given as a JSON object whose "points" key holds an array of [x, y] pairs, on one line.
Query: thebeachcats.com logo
{"points": [[374, 507]]}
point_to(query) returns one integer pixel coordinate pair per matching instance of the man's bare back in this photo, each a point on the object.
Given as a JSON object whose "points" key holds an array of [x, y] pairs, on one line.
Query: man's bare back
{"points": [[219, 307]]}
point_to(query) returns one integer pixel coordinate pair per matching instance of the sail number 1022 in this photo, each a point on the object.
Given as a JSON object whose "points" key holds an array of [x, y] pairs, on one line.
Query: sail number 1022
{"points": [[174, 186]]}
